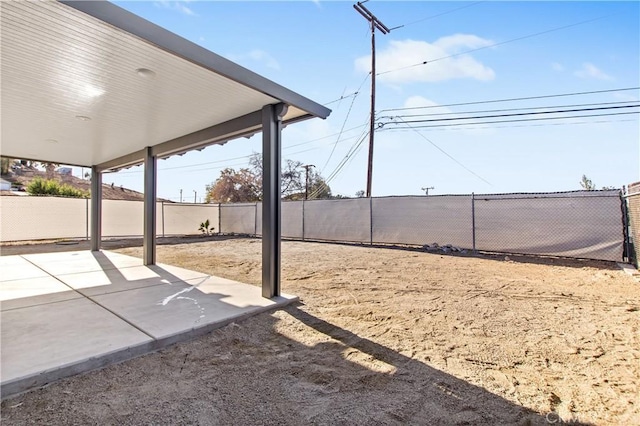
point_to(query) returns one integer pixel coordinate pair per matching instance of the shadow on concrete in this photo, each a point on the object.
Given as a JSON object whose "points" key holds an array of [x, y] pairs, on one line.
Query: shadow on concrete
{"points": [[101, 320]]}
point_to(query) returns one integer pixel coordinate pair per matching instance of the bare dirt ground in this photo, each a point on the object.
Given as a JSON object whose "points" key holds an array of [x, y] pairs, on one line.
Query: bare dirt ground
{"points": [[382, 336]]}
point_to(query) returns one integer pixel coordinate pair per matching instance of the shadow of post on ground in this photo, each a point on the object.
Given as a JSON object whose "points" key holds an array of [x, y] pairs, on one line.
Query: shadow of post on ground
{"points": [[252, 372]]}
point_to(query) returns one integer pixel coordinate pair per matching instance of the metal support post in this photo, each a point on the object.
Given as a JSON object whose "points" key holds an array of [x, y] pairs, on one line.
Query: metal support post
{"points": [[271, 203], [150, 179], [96, 209]]}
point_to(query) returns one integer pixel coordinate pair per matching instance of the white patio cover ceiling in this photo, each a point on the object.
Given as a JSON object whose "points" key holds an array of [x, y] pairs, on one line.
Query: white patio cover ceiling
{"points": [[74, 89]]}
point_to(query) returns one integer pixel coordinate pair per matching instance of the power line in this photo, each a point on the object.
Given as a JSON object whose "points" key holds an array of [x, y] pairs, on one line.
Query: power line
{"points": [[436, 16], [447, 154], [495, 44], [344, 123], [473, 127], [327, 137], [561, 111], [515, 99], [347, 156], [350, 154], [342, 97], [511, 109], [520, 120]]}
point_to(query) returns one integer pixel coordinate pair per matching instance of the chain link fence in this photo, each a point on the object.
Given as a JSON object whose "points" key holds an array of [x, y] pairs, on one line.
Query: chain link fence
{"points": [[632, 223], [581, 224]]}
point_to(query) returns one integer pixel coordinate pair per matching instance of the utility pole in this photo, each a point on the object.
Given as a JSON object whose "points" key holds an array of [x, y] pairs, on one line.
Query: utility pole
{"points": [[375, 23], [181, 195], [306, 180], [426, 190], [195, 194]]}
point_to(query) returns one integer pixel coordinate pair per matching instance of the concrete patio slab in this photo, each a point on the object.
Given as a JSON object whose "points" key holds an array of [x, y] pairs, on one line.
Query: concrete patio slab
{"points": [[91, 309], [114, 280], [81, 261], [36, 339], [34, 291], [165, 310], [18, 268]]}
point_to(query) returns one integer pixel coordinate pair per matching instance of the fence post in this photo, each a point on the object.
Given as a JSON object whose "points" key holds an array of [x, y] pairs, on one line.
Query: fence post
{"points": [[219, 218], [302, 220], [162, 215], [255, 221], [370, 220], [626, 250], [86, 217], [473, 220]]}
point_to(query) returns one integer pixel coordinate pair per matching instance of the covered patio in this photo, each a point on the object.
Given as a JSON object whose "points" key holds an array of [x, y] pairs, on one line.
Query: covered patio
{"points": [[70, 312], [89, 84]]}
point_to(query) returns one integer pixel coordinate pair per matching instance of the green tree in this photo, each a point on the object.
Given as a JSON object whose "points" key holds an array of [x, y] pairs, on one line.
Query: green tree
{"points": [[587, 184]]}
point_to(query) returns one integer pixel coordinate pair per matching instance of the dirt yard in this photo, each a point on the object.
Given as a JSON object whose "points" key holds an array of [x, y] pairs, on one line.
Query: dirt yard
{"points": [[382, 336]]}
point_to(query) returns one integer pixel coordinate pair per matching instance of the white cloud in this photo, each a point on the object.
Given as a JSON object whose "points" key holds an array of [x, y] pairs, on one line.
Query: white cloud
{"points": [[259, 56], [179, 6], [589, 70], [404, 55], [458, 42], [557, 67]]}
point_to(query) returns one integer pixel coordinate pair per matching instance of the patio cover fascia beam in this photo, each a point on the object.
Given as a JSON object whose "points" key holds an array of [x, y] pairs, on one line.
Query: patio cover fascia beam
{"points": [[244, 126], [178, 46]]}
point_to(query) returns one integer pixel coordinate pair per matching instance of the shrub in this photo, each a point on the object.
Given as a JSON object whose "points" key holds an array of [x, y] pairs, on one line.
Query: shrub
{"points": [[39, 186], [206, 227]]}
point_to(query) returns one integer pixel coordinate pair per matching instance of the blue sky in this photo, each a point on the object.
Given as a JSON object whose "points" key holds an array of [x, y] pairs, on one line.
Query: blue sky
{"points": [[322, 50]]}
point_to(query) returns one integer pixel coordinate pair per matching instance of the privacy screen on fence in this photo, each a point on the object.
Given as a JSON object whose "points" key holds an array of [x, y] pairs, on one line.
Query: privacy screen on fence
{"points": [[583, 224]]}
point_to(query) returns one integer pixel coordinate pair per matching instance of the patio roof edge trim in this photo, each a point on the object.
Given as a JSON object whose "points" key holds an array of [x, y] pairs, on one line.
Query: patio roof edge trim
{"points": [[243, 126], [181, 47], [128, 160]]}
